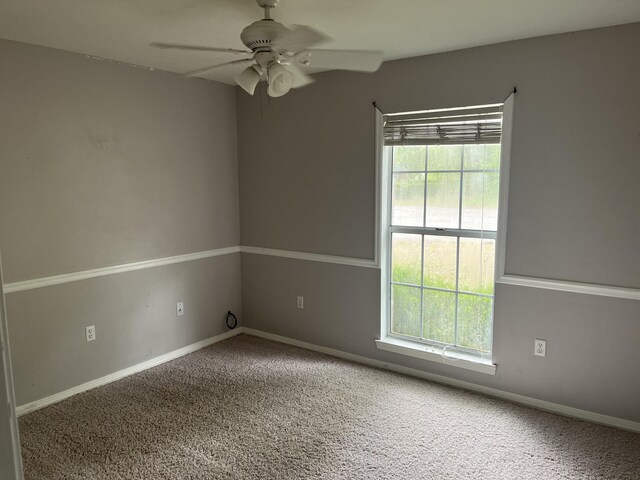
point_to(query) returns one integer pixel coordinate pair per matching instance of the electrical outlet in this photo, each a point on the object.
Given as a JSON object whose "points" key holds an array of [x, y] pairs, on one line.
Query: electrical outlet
{"points": [[540, 347], [179, 309], [90, 333], [300, 302]]}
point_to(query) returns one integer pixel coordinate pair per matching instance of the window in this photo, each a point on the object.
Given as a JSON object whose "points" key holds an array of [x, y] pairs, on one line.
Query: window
{"points": [[440, 204]]}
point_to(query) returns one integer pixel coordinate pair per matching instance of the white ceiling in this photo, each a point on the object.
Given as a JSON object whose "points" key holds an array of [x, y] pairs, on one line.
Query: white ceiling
{"points": [[122, 29]]}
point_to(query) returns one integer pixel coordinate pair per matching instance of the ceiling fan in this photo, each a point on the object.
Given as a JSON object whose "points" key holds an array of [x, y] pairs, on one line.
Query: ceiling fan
{"points": [[280, 53]]}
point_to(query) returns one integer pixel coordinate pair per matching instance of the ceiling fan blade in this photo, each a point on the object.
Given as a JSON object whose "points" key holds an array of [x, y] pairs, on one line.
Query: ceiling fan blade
{"points": [[196, 48], [204, 70], [300, 37], [300, 78], [355, 60]]}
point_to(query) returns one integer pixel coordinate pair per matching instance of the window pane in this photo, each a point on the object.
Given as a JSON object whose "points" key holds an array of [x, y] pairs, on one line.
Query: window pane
{"points": [[482, 157], [439, 313], [440, 261], [408, 199], [474, 322], [405, 310], [409, 158], [480, 201], [477, 264], [406, 258], [443, 199], [444, 157]]}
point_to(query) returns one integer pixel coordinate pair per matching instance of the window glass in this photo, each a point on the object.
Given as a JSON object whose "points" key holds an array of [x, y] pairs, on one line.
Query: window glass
{"points": [[406, 257], [440, 254], [477, 264], [474, 322], [482, 157], [443, 200], [480, 200], [409, 158], [439, 312], [405, 307], [445, 157], [408, 199]]}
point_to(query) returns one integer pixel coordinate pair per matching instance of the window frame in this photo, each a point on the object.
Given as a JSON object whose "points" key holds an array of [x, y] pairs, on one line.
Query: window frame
{"points": [[413, 346]]}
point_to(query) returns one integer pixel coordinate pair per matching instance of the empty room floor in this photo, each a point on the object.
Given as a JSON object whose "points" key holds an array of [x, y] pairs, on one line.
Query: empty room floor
{"points": [[249, 408]]}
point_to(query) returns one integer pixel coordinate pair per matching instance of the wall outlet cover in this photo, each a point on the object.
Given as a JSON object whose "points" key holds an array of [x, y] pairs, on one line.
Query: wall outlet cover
{"points": [[179, 309], [300, 302], [90, 333], [540, 347]]}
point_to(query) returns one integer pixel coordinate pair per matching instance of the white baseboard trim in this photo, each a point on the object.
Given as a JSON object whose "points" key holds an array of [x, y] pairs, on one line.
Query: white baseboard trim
{"points": [[112, 377], [492, 392], [126, 267]]}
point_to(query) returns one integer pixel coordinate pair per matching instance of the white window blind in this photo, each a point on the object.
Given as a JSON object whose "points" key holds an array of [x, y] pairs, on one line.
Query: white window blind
{"points": [[479, 125]]}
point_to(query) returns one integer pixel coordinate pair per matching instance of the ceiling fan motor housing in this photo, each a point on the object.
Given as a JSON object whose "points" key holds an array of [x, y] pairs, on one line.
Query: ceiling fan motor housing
{"points": [[267, 3], [262, 33]]}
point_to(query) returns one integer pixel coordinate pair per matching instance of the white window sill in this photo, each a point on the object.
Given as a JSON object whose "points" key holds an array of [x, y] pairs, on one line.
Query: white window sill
{"points": [[433, 354]]}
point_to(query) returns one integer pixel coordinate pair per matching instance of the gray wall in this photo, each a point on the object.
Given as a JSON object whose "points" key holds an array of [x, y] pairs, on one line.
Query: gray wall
{"points": [[104, 164], [134, 314], [307, 183]]}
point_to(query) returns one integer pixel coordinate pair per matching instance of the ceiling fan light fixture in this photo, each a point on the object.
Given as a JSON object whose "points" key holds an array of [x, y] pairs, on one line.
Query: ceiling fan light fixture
{"points": [[249, 78], [280, 80]]}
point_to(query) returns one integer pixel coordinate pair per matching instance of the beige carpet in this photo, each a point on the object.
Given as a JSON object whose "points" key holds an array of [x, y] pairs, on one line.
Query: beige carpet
{"points": [[248, 408]]}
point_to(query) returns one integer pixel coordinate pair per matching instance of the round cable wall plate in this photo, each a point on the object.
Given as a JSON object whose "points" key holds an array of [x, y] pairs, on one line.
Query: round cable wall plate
{"points": [[231, 320]]}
